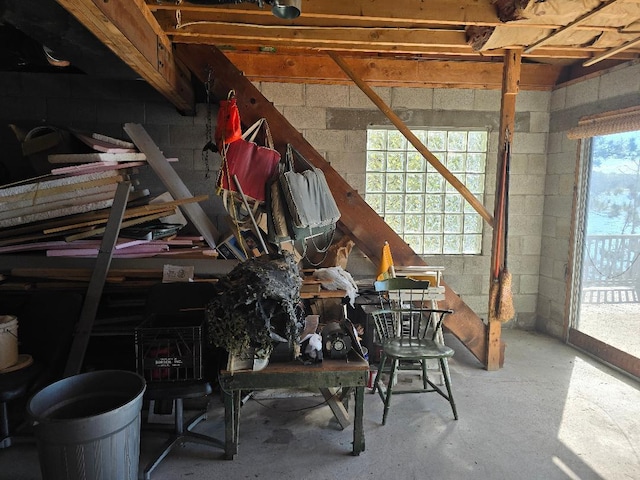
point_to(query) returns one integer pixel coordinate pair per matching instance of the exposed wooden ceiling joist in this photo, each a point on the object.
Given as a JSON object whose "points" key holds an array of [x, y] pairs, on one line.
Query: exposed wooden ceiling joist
{"points": [[372, 26], [129, 29], [443, 12], [363, 39], [388, 72]]}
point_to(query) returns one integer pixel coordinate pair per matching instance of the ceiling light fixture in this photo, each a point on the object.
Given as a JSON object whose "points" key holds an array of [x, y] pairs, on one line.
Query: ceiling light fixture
{"points": [[287, 9]]}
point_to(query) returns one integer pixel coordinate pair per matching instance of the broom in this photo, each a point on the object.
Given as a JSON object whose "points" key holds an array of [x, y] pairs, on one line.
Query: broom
{"points": [[496, 246], [503, 305]]}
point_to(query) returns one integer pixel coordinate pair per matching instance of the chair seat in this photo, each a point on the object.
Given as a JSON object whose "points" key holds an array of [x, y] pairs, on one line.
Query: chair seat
{"points": [[16, 384], [415, 348]]}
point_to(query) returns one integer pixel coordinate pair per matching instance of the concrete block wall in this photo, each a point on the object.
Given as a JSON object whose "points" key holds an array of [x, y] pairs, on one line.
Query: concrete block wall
{"points": [[334, 119], [618, 88]]}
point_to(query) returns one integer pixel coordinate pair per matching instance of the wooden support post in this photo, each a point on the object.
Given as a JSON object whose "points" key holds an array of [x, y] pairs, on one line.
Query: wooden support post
{"points": [[96, 284], [510, 85]]}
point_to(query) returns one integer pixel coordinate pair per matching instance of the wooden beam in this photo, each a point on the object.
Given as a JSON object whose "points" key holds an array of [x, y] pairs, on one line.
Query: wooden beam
{"points": [[358, 220], [612, 52], [415, 141], [607, 353], [446, 12], [388, 72], [365, 39], [172, 181], [128, 28], [510, 82]]}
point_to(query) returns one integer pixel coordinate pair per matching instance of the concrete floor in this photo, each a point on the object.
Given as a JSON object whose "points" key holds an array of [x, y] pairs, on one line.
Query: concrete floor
{"points": [[550, 413]]}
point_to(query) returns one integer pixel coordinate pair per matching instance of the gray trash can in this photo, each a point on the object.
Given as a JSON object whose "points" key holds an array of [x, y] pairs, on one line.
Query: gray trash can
{"points": [[87, 426]]}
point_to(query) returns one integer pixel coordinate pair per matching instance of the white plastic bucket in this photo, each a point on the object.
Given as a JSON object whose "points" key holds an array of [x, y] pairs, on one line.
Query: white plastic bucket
{"points": [[8, 341]]}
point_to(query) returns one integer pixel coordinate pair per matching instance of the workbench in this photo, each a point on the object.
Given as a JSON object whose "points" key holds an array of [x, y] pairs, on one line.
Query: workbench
{"points": [[329, 376]]}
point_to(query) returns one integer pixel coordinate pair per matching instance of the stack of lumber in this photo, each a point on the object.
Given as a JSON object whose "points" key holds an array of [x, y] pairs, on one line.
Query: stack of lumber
{"points": [[65, 212]]}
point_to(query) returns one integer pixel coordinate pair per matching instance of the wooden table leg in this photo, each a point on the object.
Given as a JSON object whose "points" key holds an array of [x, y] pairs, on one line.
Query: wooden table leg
{"points": [[231, 423], [358, 426]]}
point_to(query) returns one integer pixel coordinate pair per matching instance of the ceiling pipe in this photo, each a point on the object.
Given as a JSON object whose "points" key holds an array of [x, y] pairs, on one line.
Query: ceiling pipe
{"points": [[287, 9]]}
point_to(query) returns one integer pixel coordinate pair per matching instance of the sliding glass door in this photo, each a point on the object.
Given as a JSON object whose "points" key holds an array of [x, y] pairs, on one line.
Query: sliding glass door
{"points": [[605, 313]]}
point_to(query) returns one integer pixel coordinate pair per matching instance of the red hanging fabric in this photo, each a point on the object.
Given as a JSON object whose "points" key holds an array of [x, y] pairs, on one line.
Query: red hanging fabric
{"points": [[228, 127]]}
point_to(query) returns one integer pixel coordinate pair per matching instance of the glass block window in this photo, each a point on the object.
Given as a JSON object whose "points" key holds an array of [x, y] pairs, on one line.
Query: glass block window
{"points": [[415, 200]]}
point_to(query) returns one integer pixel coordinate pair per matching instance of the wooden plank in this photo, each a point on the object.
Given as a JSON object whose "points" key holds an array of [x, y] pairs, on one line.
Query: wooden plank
{"points": [[112, 140], [611, 52], [60, 212], [131, 212], [39, 186], [95, 157], [100, 145], [128, 28], [204, 266], [45, 245], [16, 209], [138, 251], [84, 273], [358, 220], [96, 284], [24, 239], [94, 167], [36, 196], [607, 353], [129, 223], [415, 141], [172, 181], [22, 233], [339, 411]]}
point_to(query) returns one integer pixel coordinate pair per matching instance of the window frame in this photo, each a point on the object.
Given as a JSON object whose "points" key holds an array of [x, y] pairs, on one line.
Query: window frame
{"points": [[455, 227]]}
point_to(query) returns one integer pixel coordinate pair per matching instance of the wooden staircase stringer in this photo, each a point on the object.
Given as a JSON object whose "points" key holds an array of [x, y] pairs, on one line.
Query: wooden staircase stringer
{"points": [[358, 220]]}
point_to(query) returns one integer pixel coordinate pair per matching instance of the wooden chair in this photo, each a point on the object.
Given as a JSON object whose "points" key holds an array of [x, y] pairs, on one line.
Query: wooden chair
{"points": [[409, 331], [178, 299]]}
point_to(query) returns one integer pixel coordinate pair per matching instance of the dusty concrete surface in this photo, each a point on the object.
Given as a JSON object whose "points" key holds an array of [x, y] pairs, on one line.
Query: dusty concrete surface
{"points": [[550, 413]]}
